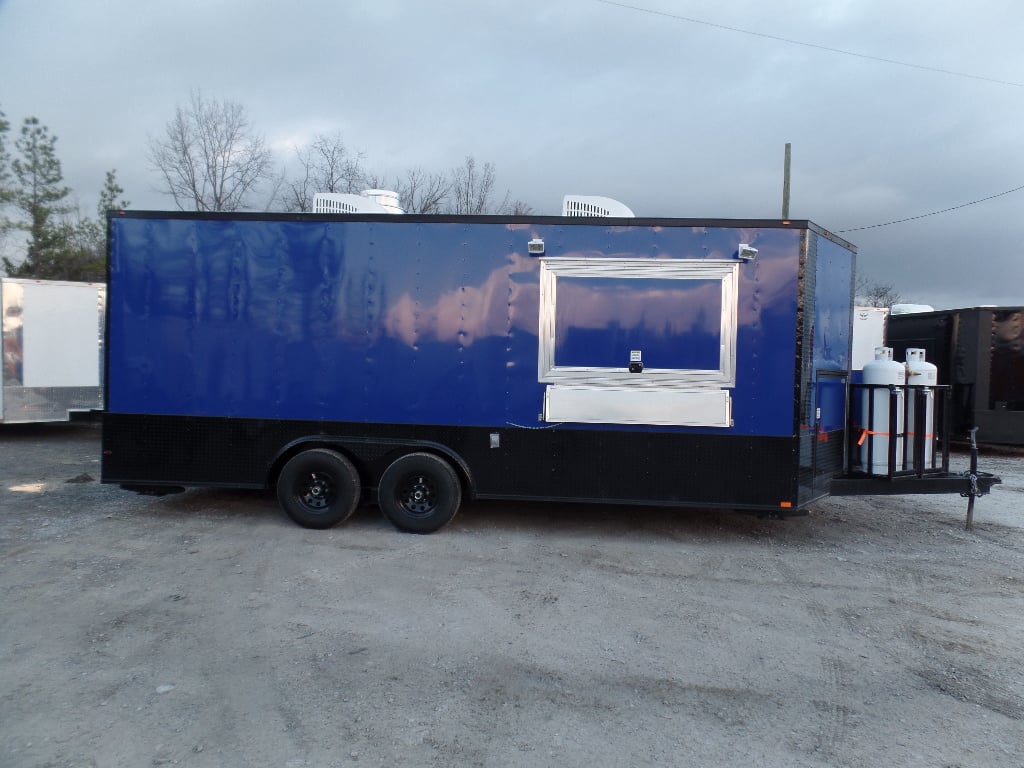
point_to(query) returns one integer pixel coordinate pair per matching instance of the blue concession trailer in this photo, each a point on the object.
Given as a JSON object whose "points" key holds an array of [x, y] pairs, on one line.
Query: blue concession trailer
{"points": [[419, 360]]}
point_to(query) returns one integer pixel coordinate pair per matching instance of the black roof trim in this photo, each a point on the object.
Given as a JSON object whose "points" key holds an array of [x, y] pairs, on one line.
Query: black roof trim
{"points": [[414, 218]]}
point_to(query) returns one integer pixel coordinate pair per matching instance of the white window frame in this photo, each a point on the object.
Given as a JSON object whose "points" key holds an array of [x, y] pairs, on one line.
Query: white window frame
{"points": [[726, 272]]}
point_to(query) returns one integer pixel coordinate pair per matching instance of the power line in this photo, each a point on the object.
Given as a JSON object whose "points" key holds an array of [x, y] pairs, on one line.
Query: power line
{"points": [[829, 49], [855, 54], [933, 213]]}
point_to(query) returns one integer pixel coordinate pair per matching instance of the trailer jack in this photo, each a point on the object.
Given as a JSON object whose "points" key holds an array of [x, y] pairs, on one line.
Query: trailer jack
{"points": [[973, 490], [152, 490]]}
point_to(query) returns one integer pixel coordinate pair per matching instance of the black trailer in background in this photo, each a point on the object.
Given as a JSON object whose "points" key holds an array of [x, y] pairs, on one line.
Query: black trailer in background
{"points": [[979, 351]]}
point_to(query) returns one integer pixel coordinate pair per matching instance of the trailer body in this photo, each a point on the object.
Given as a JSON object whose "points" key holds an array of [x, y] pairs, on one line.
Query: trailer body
{"points": [[669, 361], [52, 349]]}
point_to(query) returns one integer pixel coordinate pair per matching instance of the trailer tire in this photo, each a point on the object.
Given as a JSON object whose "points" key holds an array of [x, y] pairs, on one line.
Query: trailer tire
{"points": [[419, 493], [318, 488]]}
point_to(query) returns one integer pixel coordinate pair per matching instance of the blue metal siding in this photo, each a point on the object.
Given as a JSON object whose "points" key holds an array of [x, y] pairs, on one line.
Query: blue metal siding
{"points": [[833, 307], [833, 319], [407, 322]]}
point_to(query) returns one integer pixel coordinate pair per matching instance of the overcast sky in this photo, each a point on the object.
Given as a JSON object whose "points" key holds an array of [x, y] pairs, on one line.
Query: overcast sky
{"points": [[676, 110]]}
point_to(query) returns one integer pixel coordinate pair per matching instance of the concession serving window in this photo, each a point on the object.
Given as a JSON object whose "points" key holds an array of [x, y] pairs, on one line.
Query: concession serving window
{"points": [[638, 341]]}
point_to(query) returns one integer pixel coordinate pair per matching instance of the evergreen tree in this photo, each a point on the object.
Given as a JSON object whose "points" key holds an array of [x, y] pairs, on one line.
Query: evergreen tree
{"points": [[39, 198], [5, 163], [110, 196], [60, 243], [84, 254]]}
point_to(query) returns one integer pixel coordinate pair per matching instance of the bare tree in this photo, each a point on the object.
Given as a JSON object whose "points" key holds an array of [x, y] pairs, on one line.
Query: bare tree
{"points": [[210, 159], [871, 293], [473, 188], [518, 208], [325, 165], [423, 192]]}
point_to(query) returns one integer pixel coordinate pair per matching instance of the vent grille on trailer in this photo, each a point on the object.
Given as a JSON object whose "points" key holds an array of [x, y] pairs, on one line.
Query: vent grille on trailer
{"points": [[593, 205]]}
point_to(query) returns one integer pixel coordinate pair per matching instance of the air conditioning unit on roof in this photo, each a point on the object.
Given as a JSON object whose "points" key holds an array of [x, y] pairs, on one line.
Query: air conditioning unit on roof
{"points": [[369, 201]]}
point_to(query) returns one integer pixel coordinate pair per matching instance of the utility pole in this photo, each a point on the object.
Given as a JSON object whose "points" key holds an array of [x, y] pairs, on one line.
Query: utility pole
{"points": [[785, 184]]}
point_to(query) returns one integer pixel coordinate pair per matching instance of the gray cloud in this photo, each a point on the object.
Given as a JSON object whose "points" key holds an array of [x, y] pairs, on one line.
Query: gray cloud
{"points": [[673, 118]]}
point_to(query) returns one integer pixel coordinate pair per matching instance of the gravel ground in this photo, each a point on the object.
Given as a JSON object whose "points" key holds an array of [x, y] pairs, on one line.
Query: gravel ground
{"points": [[205, 629]]}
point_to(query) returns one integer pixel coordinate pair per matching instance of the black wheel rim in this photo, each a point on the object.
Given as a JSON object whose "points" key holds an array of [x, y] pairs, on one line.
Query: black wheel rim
{"points": [[316, 491], [417, 494]]}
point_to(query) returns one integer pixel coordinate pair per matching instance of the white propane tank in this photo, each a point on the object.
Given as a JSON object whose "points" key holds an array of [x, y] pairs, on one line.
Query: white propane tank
{"points": [[923, 375], [882, 370]]}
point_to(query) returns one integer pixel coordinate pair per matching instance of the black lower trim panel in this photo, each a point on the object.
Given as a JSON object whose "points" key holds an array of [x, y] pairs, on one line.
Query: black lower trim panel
{"points": [[729, 471]]}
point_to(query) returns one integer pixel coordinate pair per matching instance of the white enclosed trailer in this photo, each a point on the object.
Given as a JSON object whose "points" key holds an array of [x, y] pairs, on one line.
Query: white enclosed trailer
{"points": [[868, 334], [52, 349]]}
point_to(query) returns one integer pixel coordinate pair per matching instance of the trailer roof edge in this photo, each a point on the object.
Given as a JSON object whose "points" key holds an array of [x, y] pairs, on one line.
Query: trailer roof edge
{"points": [[492, 219]]}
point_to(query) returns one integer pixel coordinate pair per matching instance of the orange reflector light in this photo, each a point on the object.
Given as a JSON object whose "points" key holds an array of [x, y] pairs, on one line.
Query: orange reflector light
{"points": [[786, 504]]}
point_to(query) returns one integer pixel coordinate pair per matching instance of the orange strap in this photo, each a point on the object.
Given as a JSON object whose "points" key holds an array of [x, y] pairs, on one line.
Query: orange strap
{"points": [[865, 432]]}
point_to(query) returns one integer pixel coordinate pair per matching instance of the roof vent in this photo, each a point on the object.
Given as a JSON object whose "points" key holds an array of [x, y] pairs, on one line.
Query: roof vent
{"points": [[593, 205], [910, 309]]}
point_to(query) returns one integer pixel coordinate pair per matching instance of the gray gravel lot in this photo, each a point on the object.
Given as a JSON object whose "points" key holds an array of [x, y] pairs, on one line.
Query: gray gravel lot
{"points": [[205, 629]]}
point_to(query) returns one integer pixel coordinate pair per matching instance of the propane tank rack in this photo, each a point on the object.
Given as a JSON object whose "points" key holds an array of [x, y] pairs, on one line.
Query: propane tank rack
{"points": [[909, 429]]}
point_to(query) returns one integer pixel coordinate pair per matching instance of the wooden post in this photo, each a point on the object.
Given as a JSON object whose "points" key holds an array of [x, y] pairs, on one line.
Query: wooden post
{"points": [[785, 184]]}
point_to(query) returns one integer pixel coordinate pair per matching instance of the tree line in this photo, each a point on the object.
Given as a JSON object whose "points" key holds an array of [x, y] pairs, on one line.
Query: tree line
{"points": [[209, 157]]}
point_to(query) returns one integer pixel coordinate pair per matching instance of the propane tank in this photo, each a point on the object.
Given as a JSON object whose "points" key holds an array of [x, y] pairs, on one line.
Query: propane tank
{"points": [[875, 437], [921, 377]]}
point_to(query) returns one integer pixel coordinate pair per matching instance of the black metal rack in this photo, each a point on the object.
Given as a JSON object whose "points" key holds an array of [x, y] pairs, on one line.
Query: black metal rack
{"points": [[909, 454]]}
